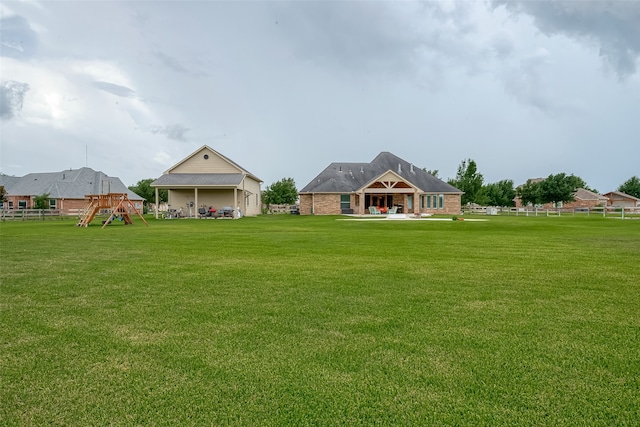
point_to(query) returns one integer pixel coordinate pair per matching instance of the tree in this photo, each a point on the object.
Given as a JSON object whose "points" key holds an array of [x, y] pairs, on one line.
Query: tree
{"points": [[530, 193], [3, 194], [280, 192], [560, 188], [41, 202], [432, 172], [468, 180], [631, 187], [143, 189], [500, 193]]}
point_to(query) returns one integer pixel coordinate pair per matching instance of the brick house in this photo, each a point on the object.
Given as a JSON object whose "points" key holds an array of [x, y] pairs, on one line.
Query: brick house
{"points": [[67, 189], [583, 199], [387, 182], [621, 200]]}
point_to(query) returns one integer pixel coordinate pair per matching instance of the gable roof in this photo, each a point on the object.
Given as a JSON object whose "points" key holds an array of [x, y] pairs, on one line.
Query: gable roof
{"points": [[239, 168], [583, 194], [68, 184], [351, 177], [621, 194]]}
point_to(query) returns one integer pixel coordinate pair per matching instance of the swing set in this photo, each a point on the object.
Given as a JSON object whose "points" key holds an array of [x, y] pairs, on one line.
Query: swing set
{"points": [[116, 203]]}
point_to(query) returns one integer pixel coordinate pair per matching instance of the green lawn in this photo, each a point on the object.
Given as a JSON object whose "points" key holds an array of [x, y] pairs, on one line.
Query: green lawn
{"points": [[294, 320]]}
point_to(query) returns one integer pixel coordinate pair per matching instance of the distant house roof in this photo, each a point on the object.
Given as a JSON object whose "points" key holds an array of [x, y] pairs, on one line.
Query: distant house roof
{"points": [[199, 179], [67, 184], [621, 195], [583, 194], [351, 177]]}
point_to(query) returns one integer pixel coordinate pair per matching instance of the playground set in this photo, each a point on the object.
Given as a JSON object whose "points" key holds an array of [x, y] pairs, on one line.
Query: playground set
{"points": [[117, 204]]}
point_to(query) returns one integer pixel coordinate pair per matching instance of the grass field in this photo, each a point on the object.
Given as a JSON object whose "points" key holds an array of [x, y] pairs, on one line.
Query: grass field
{"points": [[287, 320]]}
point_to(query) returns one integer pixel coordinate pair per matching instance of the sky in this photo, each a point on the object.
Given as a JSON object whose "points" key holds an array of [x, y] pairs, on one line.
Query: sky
{"points": [[284, 88]]}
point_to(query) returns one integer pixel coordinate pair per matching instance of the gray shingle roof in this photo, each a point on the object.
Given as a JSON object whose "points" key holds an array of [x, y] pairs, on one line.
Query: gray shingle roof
{"points": [[350, 177], [68, 184], [198, 179]]}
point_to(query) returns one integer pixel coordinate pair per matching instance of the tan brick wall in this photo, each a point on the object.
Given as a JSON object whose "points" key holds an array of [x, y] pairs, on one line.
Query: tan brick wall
{"points": [[305, 204], [329, 204], [322, 204]]}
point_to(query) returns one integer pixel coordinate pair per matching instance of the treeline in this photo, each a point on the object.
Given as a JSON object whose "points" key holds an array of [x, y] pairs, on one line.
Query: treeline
{"points": [[552, 189]]}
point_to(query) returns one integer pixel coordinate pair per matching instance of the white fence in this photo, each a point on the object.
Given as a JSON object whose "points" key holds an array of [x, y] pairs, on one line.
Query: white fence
{"points": [[30, 214], [604, 211]]}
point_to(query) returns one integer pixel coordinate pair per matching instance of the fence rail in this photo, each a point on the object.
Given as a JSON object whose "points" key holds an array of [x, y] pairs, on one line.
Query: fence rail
{"points": [[31, 214], [605, 211]]}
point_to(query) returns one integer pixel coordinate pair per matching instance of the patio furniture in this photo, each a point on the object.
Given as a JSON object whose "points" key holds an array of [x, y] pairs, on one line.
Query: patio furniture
{"points": [[373, 210], [225, 212], [392, 211]]}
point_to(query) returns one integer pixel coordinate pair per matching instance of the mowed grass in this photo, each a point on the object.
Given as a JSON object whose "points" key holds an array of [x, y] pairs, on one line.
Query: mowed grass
{"points": [[287, 320]]}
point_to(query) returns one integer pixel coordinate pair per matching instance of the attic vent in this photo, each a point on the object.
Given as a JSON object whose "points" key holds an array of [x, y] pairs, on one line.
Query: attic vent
{"points": [[350, 173], [412, 168], [340, 169], [361, 169], [63, 176], [399, 168]]}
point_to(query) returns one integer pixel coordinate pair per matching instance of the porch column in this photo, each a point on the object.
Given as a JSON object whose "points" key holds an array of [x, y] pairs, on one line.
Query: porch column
{"points": [[235, 199], [195, 202], [156, 202], [416, 205], [362, 206]]}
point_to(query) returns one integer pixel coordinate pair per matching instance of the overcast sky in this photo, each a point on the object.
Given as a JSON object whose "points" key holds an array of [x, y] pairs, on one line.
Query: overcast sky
{"points": [[524, 88]]}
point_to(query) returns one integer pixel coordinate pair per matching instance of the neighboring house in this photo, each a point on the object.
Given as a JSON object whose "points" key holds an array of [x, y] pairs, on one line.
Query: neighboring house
{"points": [[206, 179], [586, 199], [621, 200], [66, 189], [583, 199], [387, 182]]}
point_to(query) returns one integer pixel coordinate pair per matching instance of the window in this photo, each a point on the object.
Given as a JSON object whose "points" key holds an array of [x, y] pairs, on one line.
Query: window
{"points": [[52, 203], [10, 205], [421, 201], [441, 197], [22, 204], [409, 202], [428, 201], [345, 201]]}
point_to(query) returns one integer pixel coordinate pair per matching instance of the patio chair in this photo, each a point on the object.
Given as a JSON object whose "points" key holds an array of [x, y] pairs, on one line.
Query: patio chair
{"points": [[392, 210], [373, 210]]}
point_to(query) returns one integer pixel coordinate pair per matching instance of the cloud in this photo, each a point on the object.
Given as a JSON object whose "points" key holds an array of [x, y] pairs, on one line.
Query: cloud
{"points": [[11, 98], [612, 26], [170, 62], [17, 38], [523, 79], [115, 89], [175, 132], [355, 35]]}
